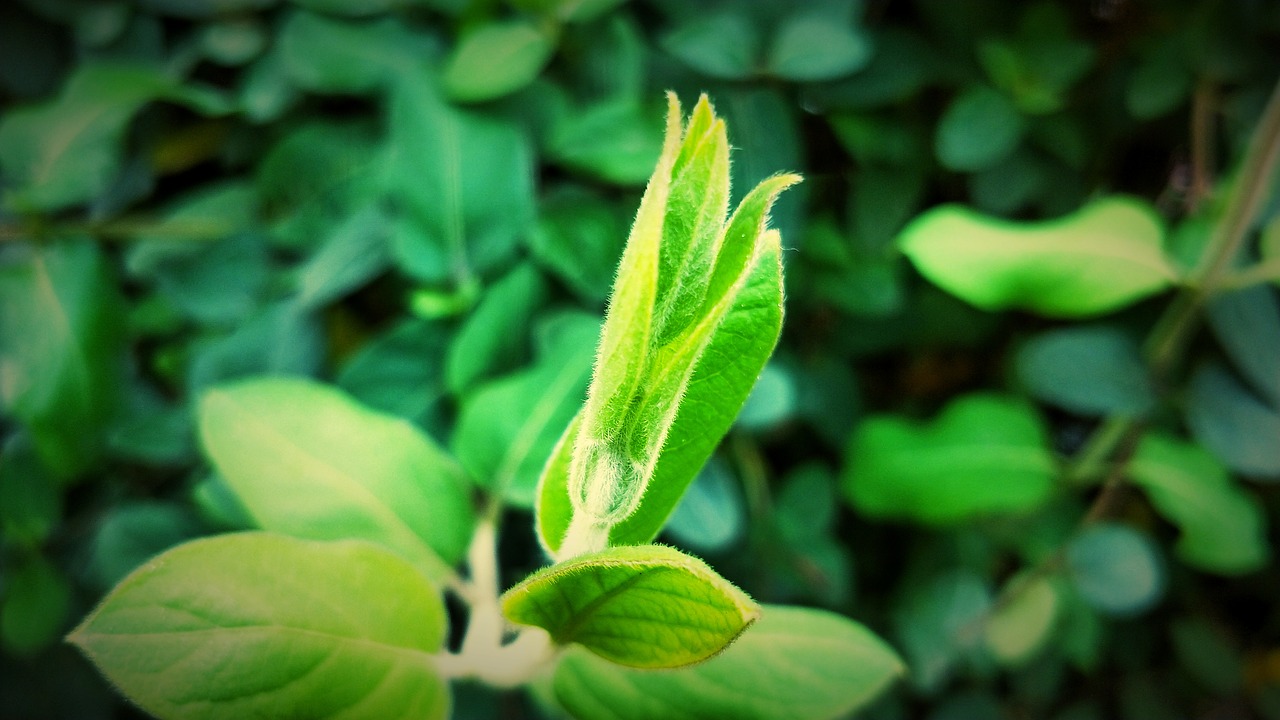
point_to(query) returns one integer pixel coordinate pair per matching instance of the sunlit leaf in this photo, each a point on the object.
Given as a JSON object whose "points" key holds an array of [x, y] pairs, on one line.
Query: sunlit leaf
{"points": [[258, 624], [496, 59]]}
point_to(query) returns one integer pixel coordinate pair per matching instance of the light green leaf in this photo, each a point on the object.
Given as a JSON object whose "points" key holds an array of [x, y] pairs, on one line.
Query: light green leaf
{"points": [[980, 128], [494, 336], [815, 46], [1016, 629], [1224, 528], [464, 181], [1100, 258], [308, 461], [1233, 422], [60, 346], [983, 454], [508, 428], [793, 664], [646, 606], [1116, 569], [496, 59], [1092, 370], [263, 625], [716, 392], [34, 605]]}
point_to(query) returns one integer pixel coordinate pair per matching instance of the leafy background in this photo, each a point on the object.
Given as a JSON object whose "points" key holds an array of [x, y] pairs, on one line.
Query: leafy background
{"points": [[423, 201]]}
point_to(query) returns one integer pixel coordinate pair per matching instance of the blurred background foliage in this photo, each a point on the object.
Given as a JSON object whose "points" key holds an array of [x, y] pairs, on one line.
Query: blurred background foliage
{"points": [[423, 201]]}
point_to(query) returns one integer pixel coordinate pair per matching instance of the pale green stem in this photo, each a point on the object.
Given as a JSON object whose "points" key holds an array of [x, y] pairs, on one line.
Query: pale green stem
{"points": [[585, 535]]}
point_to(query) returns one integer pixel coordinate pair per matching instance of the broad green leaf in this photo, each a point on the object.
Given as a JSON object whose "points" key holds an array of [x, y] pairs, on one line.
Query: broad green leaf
{"points": [[351, 255], [722, 45], [1233, 422], [1224, 528], [34, 605], [644, 606], [615, 141], [1091, 370], [980, 128], [579, 238], [1100, 258], [1247, 323], [815, 46], [496, 59], [1116, 569], [508, 428], [984, 454], [464, 182], [264, 625], [329, 55], [1159, 84], [495, 334], [30, 500], [60, 346], [793, 664], [719, 386], [132, 533], [67, 151], [1018, 628], [400, 372], [710, 516], [308, 461], [939, 622]]}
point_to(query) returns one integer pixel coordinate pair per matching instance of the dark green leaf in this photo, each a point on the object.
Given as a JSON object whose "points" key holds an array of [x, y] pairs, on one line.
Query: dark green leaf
{"points": [[280, 339], [1247, 323], [579, 238], [983, 454], [979, 129], [263, 625], [132, 533], [793, 664], [939, 622], [1233, 422], [30, 500], [1091, 370], [328, 55], [351, 255], [34, 606], [645, 606], [720, 45], [818, 46], [60, 348], [1116, 569], [495, 335], [400, 372], [710, 516], [615, 141]]}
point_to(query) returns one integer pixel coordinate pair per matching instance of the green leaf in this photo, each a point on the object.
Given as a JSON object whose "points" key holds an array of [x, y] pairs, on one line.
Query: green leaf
{"points": [[1116, 569], [816, 46], [1100, 258], [1247, 324], [60, 348], [772, 401], [1224, 528], [615, 141], [716, 392], [710, 516], [66, 151], [351, 255], [939, 622], [1234, 423], [281, 339], [328, 55], [30, 500], [978, 129], [263, 625], [496, 59], [722, 45], [1020, 627], [308, 461], [34, 605], [646, 606], [464, 181], [131, 533], [400, 372], [1091, 370], [579, 238], [1159, 84], [568, 10], [494, 336], [508, 428], [793, 664], [983, 454]]}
